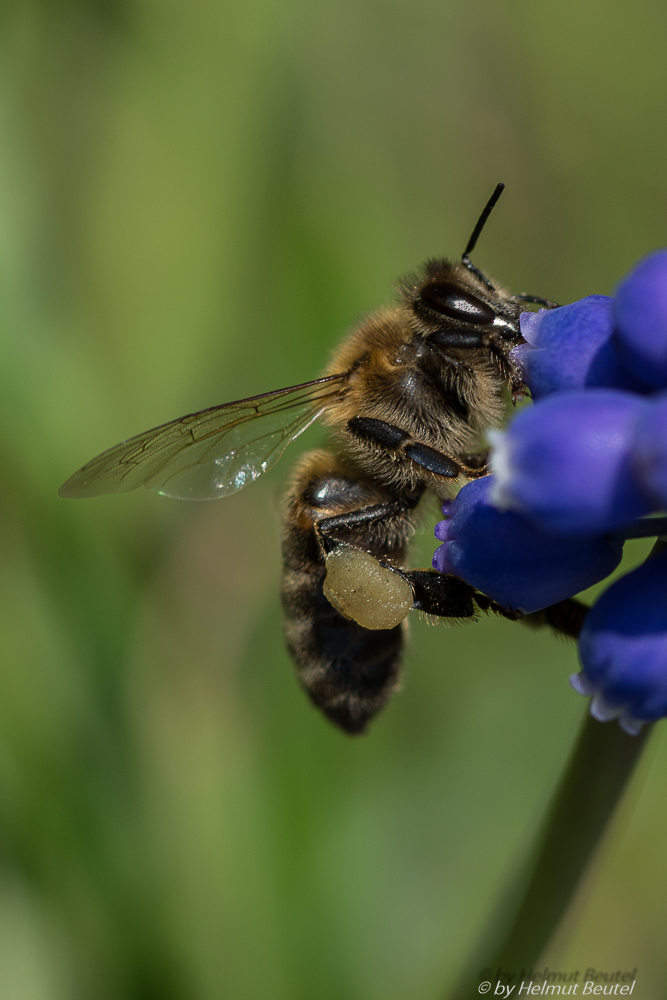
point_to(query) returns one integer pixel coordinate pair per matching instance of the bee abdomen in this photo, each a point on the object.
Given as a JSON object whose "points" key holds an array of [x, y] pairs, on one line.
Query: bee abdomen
{"points": [[348, 671]]}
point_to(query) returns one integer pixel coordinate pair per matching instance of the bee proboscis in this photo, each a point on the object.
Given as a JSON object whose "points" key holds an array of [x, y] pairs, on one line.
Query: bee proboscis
{"points": [[408, 395]]}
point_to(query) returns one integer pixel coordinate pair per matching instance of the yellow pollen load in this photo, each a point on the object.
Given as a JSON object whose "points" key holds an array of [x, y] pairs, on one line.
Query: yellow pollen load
{"points": [[360, 588]]}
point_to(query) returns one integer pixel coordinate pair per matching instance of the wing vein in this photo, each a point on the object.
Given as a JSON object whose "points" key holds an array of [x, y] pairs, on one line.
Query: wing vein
{"points": [[213, 452]]}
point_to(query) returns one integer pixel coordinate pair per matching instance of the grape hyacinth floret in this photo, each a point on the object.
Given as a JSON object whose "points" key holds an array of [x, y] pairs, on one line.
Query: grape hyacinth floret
{"points": [[573, 474], [567, 463], [521, 566], [640, 320], [622, 648], [572, 348]]}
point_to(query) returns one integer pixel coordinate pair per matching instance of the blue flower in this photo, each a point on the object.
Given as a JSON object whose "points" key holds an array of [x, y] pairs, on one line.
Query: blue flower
{"points": [[572, 348], [640, 316], [623, 648], [519, 565], [566, 463], [573, 473], [649, 453]]}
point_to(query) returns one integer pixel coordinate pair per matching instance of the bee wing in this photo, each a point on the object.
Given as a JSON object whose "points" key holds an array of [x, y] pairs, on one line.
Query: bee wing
{"points": [[211, 453]]}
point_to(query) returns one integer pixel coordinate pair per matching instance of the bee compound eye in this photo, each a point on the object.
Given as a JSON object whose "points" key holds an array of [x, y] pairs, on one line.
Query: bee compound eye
{"points": [[360, 588], [446, 299]]}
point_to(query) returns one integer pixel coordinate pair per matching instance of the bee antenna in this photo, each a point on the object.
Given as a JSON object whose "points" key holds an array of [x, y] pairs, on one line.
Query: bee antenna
{"points": [[481, 222]]}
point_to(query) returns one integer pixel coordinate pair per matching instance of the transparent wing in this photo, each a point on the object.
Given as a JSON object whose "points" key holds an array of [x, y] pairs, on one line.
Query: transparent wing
{"points": [[211, 453]]}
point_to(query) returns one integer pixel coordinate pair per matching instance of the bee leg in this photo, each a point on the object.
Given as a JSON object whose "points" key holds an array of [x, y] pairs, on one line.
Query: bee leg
{"points": [[390, 436], [566, 617], [349, 671], [363, 551], [433, 461], [448, 597], [547, 303], [477, 465], [353, 520], [377, 431], [440, 595], [460, 339], [485, 604]]}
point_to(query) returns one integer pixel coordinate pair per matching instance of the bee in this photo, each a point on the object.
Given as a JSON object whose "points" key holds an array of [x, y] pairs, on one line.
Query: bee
{"points": [[408, 396]]}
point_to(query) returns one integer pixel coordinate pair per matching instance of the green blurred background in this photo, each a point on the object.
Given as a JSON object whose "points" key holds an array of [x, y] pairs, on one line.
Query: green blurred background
{"points": [[197, 198]]}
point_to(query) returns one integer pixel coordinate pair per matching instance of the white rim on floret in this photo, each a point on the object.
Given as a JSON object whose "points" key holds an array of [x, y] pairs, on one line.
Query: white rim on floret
{"points": [[500, 494]]}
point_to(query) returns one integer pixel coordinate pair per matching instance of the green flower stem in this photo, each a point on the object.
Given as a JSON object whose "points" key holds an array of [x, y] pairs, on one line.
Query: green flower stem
{"points": [[601, 765]]}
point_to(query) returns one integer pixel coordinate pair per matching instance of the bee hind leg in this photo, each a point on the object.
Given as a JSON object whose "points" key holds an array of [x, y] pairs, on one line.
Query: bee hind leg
{"points": [[348, 671], [566, 618], [441, 595], [448, 597]]}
